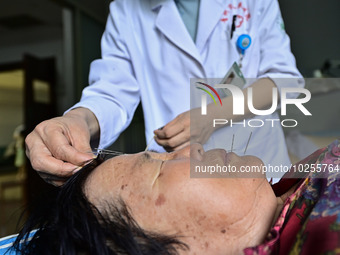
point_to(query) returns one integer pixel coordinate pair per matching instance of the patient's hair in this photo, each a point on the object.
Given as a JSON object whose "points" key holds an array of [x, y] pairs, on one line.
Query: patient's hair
{"points": [[68, 223]]}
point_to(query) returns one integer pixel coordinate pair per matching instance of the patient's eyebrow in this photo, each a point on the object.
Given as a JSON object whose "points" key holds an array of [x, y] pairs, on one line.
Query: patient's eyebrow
{"points": [[152, 150], [146, 156], [143, 158]]}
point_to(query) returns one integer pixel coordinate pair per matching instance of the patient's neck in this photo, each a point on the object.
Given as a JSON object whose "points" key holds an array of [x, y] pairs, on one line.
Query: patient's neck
{"points": [[281, 201]]}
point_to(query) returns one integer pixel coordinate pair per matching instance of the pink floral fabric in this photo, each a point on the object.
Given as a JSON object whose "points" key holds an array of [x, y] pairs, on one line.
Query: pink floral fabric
{"points": [[309, 222]]}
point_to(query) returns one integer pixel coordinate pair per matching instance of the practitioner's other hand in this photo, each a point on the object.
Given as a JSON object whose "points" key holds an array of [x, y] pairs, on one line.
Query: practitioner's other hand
{"points": [[59, 146], [187, 127]]}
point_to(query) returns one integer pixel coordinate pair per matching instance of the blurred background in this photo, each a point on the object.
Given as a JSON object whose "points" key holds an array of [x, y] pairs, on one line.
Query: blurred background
{"points": [[46, 47]]}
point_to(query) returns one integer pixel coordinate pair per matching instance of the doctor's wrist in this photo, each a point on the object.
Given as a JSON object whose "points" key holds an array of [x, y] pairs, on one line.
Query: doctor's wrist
{"points": [[90, 119]]}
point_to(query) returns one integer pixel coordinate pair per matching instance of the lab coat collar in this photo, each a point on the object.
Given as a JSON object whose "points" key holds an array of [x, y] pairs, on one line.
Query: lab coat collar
{"points": [[170, 23], [210, 14], [155, 4]]}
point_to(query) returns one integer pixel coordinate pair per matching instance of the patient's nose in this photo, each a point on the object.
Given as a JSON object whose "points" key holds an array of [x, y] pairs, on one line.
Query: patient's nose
{"points": [[196, 151]]}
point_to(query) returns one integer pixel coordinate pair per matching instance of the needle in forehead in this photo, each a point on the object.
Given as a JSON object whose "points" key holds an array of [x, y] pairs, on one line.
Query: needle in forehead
{"points": [[232, 143], [247, 143], [149, 143], [105, 151]]}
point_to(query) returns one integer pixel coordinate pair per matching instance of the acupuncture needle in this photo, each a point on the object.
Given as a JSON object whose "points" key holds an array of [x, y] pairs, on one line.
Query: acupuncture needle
{"points": [[149, 143], [106, 151], [96, 152], [232, 143], [247, 143]]}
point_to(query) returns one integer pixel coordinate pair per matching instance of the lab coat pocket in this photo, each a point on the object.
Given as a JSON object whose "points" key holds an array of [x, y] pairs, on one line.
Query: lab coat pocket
{"points": [[230, 42]]}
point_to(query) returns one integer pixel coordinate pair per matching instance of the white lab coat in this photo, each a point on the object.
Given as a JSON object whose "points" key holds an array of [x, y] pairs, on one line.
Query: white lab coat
{"points": [[148, 55]]}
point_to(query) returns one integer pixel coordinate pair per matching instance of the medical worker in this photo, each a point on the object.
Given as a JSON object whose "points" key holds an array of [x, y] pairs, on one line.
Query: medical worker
{"points": [[150, 50]]}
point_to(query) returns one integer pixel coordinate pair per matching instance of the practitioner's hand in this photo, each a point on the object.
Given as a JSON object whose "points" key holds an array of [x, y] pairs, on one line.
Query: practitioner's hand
{"points": [[57, 147], [187, 127]]}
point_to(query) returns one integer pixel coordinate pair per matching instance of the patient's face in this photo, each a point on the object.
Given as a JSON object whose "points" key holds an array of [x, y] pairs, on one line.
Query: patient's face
{"points": [[212, 215]]}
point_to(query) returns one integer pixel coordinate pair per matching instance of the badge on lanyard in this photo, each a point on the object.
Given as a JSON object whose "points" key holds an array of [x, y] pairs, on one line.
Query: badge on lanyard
{"points": [[235, 77], [243, 43]]}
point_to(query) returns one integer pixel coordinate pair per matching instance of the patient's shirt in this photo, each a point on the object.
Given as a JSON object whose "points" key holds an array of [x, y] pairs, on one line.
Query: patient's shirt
{"points": [[309, 222], [6, 243]]}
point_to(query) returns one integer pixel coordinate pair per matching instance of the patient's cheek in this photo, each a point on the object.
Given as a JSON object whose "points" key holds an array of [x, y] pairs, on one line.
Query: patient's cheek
{"points": [[123, 186], [160, 200]]}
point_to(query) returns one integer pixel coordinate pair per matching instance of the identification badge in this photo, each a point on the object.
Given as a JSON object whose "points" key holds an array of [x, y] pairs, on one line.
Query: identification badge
{"points": [[235, 77]]}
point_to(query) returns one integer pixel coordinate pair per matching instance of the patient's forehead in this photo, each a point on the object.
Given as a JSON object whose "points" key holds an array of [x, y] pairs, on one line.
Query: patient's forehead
{"points": [[96, 183], [111, 165], [107, 178]]}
